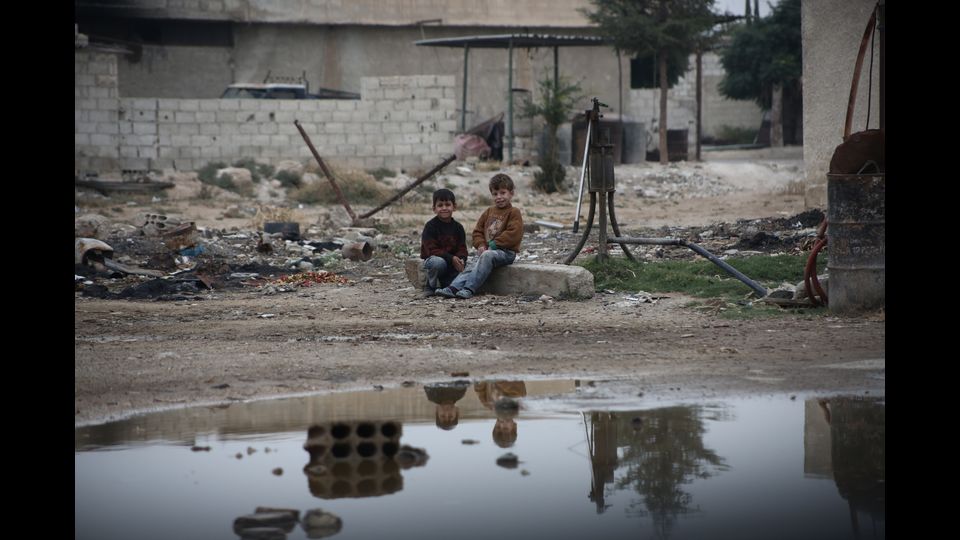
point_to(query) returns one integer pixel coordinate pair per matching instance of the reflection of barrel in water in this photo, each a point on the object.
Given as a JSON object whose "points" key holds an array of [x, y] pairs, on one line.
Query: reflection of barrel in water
{"points": [[357, 459], [857, 433]]}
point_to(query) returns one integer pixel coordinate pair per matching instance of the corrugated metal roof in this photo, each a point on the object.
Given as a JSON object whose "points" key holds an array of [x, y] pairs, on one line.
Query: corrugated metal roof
{"points": [[502, 41]]}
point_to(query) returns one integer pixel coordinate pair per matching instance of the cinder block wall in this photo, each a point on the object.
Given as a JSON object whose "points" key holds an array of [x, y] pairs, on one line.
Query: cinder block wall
{"points": [[718, 111], [400, 122], [96, 132]]}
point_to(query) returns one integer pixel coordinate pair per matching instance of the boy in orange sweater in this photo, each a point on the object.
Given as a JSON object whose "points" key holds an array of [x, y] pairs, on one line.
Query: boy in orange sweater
{"points": [[496, 237]]}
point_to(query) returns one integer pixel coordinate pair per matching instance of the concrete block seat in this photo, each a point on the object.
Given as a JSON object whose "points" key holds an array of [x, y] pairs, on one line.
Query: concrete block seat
{"points": [[522, 278]]}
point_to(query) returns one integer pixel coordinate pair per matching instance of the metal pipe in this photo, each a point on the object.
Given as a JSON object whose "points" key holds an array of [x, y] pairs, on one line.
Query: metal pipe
{"points": [[556, 68], [616, 227], [446, 161], [698, 249], [583, 170], [463, 106], [326, 171], [586, 232], [510, 101]]}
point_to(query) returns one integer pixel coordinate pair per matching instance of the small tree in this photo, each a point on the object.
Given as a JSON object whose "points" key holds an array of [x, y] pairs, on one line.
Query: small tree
{"points": [[556, 102], [764, 59], [662, 28]]}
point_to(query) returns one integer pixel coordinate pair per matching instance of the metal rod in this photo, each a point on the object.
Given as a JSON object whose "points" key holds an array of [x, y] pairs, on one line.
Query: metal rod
{"points": [[583, 170], [698, 249], [326, 172], [463, 108], [510, 101], [446, 161], [602, 231], [556, 69]]}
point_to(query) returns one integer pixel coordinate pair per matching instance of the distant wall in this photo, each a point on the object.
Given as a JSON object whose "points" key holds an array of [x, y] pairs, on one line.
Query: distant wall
{"points": [[718, 111], [401, 122], [559, 13]]}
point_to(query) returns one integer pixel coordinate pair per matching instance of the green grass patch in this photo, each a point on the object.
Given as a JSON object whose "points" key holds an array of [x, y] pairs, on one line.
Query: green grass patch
{"points": [[700, 278]]}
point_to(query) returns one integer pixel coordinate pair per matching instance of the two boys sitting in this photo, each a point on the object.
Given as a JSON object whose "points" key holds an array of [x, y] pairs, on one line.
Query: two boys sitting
{"points": [[496, 237]]}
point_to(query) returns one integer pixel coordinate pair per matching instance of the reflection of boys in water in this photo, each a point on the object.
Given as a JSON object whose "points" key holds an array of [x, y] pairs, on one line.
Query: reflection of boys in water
{"points": [[491, 395], [446, 395]]}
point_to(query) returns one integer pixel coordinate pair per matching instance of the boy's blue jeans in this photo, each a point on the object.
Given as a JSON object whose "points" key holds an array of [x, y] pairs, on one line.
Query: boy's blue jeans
{"points": [[439, 275], [478, 268]]}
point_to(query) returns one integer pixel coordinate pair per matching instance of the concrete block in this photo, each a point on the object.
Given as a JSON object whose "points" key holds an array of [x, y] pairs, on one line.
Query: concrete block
{"points": [[188, 104], [229, 104], [185, 117], [144, 128], [280, 141], [342, 116], [268, 128], [206, 117], [209, 105], [445, 80], [209, 128], [556, 280]]}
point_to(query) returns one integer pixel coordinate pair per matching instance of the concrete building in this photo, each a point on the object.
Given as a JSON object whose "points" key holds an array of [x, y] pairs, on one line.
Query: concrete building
{"points": [[831, 39], [193, 49]]}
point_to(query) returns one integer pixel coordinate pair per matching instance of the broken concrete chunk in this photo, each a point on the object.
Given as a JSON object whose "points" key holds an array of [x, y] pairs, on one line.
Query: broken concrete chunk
{"points": [[85, 247], [320, 524], [282, 520]]}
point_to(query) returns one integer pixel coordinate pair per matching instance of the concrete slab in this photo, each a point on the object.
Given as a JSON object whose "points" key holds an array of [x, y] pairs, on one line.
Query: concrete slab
{"points": [[522, 278]]}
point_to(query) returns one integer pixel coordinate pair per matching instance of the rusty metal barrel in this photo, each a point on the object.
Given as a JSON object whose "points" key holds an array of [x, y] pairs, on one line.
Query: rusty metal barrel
{"points": [[857, 239]]}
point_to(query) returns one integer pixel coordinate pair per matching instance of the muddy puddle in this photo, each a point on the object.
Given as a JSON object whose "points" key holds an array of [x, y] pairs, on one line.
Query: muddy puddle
{"points": [[488, 459]]}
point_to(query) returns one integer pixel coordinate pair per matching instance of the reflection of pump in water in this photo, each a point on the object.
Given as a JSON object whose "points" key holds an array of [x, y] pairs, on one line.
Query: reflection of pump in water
{"points": [[602, 442]]}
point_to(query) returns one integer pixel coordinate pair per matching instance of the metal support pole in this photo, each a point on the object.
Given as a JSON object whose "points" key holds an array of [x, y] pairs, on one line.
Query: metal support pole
{"points": [[510, 101], [698, 249], [327, 173], [446, 161], [463, 105], [602, 231], [556, 68], [583, 173]]}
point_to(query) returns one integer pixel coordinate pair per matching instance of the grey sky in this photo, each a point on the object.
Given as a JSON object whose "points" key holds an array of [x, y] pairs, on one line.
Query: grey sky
{"points": [[736, 6]]}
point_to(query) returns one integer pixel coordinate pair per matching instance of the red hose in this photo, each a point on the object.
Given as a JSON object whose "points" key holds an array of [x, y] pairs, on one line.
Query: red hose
{"points": [[810, 280]]}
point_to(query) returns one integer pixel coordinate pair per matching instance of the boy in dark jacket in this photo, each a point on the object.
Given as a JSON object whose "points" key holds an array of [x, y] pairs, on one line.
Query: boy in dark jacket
{"points": [[443, 244]]}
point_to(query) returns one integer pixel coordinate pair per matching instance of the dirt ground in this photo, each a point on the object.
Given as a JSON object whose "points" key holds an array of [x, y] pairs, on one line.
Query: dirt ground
{"points": [[255, 342]]}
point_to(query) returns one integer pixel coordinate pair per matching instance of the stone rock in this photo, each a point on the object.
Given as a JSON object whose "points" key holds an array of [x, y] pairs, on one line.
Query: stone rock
{"points": [[508, 461], [556, 280], [293, 167], [242, 178], [319, 523], [281, 520], [309, 179], [801, 291], [91, 226], [262, 533]]}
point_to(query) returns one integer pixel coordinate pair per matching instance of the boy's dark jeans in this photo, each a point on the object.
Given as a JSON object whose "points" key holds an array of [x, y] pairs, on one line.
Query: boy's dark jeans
{"points": [[439, 274], [479, 268]]}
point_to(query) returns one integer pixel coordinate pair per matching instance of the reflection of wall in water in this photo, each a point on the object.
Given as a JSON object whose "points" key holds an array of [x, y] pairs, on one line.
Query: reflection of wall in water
{"points": [[848, 435], [292, 414], [358, 459]]}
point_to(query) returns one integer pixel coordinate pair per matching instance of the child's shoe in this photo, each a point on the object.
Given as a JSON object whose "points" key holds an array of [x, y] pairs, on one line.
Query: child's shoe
{"points": [[464, 293], [446, 292]]}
